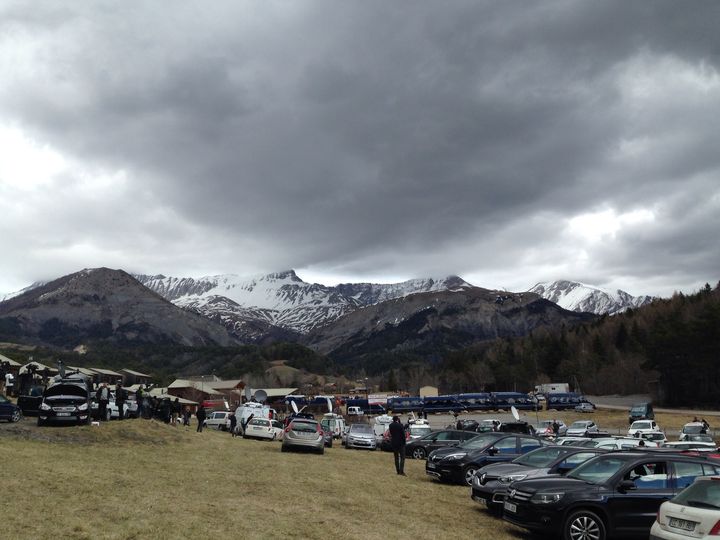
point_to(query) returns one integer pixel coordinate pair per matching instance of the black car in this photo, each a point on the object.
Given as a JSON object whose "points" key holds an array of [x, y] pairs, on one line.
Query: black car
{"points": [[30, 401], [490, 484], [613, 495], [420, 448], [467, 425], [66, 400], [9, 411], [459, 464], [517, 427]]}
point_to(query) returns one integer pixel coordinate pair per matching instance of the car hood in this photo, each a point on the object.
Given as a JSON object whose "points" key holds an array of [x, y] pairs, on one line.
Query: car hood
{"points": [[552, 484], [441, 453], [502, 469]]}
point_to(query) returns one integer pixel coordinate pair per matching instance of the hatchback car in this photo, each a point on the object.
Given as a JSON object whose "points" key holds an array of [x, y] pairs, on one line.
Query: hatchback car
{"points": [[263, 428], [217, 420], [582, 428], [693, 513], [361, 436], [65, 401], [692, 428], [420, 448], [8, 410], [585, 407], [303, 433]]}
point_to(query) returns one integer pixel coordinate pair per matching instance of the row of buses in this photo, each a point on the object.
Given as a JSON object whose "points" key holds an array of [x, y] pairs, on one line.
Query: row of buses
{"points": [[483, 401]]}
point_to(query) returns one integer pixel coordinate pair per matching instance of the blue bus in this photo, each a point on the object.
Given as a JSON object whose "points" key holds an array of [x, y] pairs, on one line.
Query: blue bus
{"points": [[405, 404], [564, 400], [437, 404], [365, 406], [476, 402], [505, 400]]}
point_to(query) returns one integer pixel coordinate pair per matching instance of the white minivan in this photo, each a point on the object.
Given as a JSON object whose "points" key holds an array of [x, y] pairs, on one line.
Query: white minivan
{"points": [[333, 423]]}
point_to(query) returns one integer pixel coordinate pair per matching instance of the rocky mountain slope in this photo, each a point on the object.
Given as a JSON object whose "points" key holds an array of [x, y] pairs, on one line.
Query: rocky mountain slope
{"points": [[438, 321], [575, 296], [281, 302], [104, 304]]}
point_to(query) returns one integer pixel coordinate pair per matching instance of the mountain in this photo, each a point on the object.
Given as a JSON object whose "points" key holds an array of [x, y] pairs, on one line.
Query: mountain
{"points": [[575, 296], [103, 304], [281, 303], [434, 322], [8, 296]]}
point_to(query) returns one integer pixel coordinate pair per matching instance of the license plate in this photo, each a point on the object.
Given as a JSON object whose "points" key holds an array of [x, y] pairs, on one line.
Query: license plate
{"points": [[63, 414], [682, 524], [510, 507], [430, 465]]}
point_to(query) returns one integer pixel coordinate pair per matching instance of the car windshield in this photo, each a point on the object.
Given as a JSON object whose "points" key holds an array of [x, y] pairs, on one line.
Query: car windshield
{"points": [[416, 431], [640, 425], [579, 425], [638, 409], [306, 427], [599, 469], [361, 428], [701, 494], [481, 441], [694, 428], [542, 457]]}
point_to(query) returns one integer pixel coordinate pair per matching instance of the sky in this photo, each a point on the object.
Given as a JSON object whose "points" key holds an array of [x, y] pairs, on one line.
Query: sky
{"points": [[505, 142]]}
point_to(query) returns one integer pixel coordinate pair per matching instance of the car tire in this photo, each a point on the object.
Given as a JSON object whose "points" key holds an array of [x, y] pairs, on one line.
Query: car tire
{"points": [[283, 448], [108, 415], [40, 422], [584, 525], [469, 474], [16, 417], [418, 453]]}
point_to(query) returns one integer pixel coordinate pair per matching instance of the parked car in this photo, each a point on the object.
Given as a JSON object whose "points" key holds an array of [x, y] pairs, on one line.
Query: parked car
{"points": [[516, 427], [418, 429], [66, 401], [354, 411], [114, 410], [490, 484], [655, 436], [692, 428], [303, 433], [641, 411], [488, 424], [620, 443], [692, 445], [218, 420], [585, 407], [642, 426], [420, 448], [613, 495], [693, 513], [467, 425], [9, 411], [582, 428], [263, 428], [460, 463], [545, 428], [333, 423], [361, 436], [573, 441], [30, 401]]}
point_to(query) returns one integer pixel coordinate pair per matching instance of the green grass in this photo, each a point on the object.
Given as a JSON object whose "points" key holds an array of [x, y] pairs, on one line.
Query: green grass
{"points": [[143, 479]]}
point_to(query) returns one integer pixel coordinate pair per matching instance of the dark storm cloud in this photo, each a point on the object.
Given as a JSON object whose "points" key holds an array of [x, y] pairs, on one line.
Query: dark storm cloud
{"points": [[403, 138]]}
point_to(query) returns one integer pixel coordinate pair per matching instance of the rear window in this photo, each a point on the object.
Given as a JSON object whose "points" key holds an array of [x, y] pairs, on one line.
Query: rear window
{"points": [[361, 428], [259, 422], [701, 494], [416, 431], [308, 427]]}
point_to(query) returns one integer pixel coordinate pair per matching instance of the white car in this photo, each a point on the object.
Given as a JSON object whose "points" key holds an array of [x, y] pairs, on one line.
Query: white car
{"points": [[693, 513], [642, 426], [263, 428], [692, 445], [621, 443], [217, 420], [418, 429], [581, 428], [655, 436], [573, 441], [692, 428], [585, 407]]}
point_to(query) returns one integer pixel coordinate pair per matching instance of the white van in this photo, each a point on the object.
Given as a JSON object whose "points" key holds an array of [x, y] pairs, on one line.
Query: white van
{"points": [[381, 425], [256, 410], [354, 411], [333, 423]]}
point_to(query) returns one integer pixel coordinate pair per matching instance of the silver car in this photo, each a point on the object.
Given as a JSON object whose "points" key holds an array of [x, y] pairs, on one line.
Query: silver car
{"points": [[304, 433], [361, 436]]}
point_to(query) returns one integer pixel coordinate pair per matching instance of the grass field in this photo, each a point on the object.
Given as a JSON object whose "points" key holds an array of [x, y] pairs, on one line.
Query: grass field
{"points": [[142, 479]]}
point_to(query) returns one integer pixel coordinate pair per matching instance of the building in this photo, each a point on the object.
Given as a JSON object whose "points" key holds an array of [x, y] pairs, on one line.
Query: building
{"points": [[428, 391], [106, 376], [131, 377]]}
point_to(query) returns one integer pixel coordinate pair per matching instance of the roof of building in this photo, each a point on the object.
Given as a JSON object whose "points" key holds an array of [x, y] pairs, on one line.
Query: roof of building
{"points": [[136, 373], [39, 367], [12, 362], [224, 385], [102, 371], [203, 387], [84, 371]]}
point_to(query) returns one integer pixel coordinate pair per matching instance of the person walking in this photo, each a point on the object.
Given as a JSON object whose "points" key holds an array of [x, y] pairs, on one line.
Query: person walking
{"points": [[397, 442], [103, 400], [200, 415], [120, 400], [139, 401]]}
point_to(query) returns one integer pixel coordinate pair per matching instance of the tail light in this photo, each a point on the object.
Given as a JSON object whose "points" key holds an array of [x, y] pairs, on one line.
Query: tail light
{"points": [[715, 531], [407, 436]]}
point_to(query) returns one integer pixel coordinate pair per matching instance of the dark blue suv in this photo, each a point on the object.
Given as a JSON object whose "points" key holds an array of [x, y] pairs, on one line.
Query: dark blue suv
{"points": [[9, 411]]}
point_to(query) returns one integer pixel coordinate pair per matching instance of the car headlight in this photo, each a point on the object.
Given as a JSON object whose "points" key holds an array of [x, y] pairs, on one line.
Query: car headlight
{"points": [[546, 498], [512, 478], [83, 407], [45, 407], [453, 457]]}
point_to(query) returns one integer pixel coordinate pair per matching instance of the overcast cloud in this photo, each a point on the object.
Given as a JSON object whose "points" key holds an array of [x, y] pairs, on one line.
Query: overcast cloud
{"points": [[506, 142]]}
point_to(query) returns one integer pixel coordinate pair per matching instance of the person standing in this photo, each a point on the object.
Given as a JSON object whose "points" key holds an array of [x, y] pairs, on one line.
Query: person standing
{"points": [[175, 412], [120, 400], [200, 415], [233, 424], [103, 400], [139, 400], [9, 383], [397, 442], [186, 416]]}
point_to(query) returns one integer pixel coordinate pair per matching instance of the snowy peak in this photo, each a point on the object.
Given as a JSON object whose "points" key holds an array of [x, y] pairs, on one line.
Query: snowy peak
{"points": [[576, 296]]}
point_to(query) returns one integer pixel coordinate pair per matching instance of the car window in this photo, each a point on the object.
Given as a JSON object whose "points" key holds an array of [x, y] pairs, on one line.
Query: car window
{"points": [[685, 473], [599, 469], [702, 494], [649, 476], [277, 424], [527, 444], [303, 426], [465, 435], [447, 436], [576, 459], [506, 446], [361, 428], [541, 457]]}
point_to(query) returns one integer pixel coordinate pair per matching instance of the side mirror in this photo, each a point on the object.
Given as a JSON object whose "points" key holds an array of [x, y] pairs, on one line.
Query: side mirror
{"points": [[492, 451], [626, 485], [564, 470]]}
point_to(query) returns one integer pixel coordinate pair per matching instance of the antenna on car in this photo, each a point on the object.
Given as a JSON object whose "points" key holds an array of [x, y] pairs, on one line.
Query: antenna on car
{"points": [[329, 404]]}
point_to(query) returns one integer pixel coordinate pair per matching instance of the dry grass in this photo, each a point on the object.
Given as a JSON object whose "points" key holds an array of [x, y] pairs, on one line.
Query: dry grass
{"points": [[142, 479]]}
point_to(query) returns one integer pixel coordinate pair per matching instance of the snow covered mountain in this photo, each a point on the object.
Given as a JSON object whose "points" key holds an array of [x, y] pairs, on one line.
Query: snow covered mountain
{"points": [[575, 296], [282, 299], [8, 296]]}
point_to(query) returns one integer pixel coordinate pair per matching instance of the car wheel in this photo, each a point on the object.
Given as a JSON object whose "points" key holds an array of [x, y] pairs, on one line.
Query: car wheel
{"points": [[584, 525], [40, 422], [321, 451], [469, 474], [283, 448], [418, 453], [17, 415], [108, 415]]}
